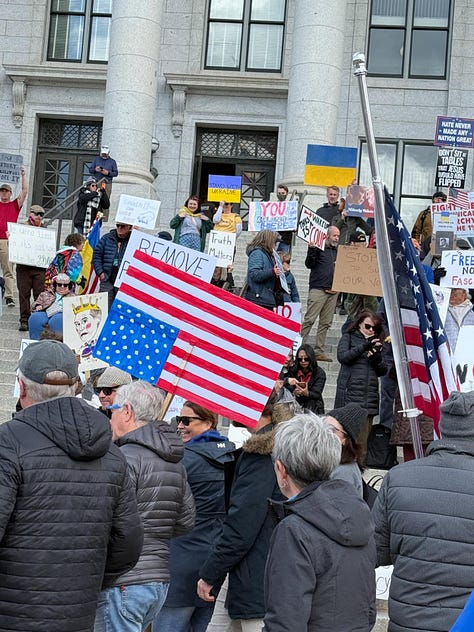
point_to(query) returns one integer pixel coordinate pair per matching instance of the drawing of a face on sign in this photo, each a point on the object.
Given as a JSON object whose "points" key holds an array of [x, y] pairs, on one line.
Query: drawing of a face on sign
{"points": [[87, 322]]}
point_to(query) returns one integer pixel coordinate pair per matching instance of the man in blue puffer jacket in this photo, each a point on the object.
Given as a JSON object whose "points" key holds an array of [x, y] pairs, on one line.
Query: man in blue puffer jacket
{"points": [[108, 255]]}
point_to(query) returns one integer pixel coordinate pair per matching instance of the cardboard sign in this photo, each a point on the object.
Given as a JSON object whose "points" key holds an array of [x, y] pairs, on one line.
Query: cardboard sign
{"points": [[357, 271], [31, 245], [451, 168], [137, 211], [10, 168], [360, 201], [273, 215], [199, 264], [454, 132], [83, 319], [226, 188], [464, 358], [459, 265], [312, 228], [222, 247]]}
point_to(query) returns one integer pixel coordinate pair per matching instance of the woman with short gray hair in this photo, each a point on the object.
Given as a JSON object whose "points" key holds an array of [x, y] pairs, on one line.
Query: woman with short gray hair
{"points": [[323, 546]]}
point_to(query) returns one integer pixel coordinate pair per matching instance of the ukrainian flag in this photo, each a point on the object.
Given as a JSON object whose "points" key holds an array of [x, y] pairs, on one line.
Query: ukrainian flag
{"points": [[327, 165]]}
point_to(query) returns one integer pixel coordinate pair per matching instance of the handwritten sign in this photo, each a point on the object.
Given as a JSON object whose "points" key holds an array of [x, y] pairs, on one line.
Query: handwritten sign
{"points": [[464, 359], [459, 265], [137, 211], [360, 201], [10, 167], [222, 246], [357, 271], [454, 132], [282, 277], [273, 215], [441, 298], [383, 578], [289, 310], [312, 228], [199, 264], [451, 168], [31, 245], [24, 343], [226, 188]]}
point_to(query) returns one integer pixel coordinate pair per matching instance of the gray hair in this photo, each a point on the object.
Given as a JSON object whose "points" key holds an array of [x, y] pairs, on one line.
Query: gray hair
{"points": [[43, 392], [146, 400], [307, 447]]}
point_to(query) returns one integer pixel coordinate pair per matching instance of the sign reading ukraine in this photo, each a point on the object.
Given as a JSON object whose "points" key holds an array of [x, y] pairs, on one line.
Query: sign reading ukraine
{"points": [[327, 165], [225, 188]]}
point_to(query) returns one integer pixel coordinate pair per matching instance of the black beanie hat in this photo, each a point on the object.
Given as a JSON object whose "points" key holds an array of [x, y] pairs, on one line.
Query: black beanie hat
{"points": [[457, 416], [351, 417]]}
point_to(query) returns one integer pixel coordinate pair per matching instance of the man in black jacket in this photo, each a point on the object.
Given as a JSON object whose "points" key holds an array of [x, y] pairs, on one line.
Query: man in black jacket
{"points": [[330, 209], [68, 515]]}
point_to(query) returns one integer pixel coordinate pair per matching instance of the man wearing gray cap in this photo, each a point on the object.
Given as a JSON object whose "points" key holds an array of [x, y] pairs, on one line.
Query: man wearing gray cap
{"points": [[424, 517], [69, 523]]}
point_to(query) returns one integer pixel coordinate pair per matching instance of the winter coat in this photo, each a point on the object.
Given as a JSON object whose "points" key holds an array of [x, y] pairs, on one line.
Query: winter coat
{"points": [[314, 402], [348, 225], [328, 211], [204, 461], [105, 163], [165, 503], [261, 278], [321, 263], [358, 382], [293, 296], [68, 516], [176, 223], [241, 550], [423, 226], [453, 326], [107, 251], [94, 197], [320, 573], [423, 518]]}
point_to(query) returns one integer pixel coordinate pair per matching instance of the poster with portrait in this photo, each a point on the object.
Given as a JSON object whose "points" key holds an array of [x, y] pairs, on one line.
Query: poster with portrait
{"points": [[83, 319]]}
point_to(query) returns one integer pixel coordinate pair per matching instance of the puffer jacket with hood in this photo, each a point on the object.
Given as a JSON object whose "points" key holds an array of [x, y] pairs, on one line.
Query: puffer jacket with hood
{"points": [[320, 573], [165, 502], [68, 516]]}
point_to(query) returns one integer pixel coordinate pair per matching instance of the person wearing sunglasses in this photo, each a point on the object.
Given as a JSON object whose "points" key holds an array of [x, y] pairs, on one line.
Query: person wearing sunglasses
{"points": [[306, 380], [90, 201], [106, 387], [108, 255], [359, 353], [29, 279], [206, 454], [47, 310]]}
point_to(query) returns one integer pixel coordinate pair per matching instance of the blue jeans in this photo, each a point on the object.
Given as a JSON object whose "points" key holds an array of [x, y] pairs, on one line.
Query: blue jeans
{"points": [[129, 608], [183, 619], [38, 320]]}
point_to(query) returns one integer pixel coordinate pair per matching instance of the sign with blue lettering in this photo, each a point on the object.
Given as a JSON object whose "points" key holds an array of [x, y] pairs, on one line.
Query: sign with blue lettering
{"points": [[227, 188], [454, 132]]}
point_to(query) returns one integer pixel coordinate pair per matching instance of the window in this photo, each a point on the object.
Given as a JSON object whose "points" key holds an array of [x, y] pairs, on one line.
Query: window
{"points": [[79, 30], [245, 35], [408, 170], [409, 38]]}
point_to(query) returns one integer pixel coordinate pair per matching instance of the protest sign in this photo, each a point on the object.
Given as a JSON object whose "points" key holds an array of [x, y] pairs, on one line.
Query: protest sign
{"points": [[451, 168], [31, 245], [383, 578], [464, 358], [199, 264], [463, 202], [282, 277], [222, 246], [83, 319], [441, 297], [459, 266], [289, 310], [312, 228], [226, 188], [24, 343], [274, 216], [174, 408], [454, 132], [360, 201], [357, 271], [137, 211], [10, 167]]}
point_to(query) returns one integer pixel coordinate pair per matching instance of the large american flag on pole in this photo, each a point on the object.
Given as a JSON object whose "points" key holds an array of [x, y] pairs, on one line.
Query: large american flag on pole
{"points": [[195, 340], [429, 359]]}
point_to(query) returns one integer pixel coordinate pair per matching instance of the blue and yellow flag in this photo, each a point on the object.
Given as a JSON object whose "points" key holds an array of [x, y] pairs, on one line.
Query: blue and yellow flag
{"points": [[327, 165]]}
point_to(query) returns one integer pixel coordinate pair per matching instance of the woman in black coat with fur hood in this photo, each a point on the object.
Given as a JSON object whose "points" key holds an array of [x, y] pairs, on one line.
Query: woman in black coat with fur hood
{"points": [[306, 380]]}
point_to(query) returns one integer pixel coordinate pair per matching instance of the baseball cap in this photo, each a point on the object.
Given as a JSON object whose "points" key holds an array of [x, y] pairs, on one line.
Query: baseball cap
{"points": [[7, 186], [45, 356], [104, 149]]}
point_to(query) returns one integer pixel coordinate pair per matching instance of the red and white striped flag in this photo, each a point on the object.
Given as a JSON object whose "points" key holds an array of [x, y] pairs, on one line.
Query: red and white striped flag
{"points": [[195, 340]]}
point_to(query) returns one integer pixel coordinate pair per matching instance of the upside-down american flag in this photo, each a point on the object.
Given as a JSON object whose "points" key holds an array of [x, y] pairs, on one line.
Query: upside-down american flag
{"points": [[88, 272], [195, 340], [429, 359]]}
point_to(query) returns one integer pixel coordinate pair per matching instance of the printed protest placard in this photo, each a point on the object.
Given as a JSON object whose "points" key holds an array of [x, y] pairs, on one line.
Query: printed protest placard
{"points": [[444, 229], [464, 358], [451, 168], [222, 246], [357, 271], [273, 215], [360, 201], [137, 211], [454, 132], [31, 245], [226, 188], [199, 264], [10, 167], [312, 228], [83, 319], [459, 266], [441, 297]]}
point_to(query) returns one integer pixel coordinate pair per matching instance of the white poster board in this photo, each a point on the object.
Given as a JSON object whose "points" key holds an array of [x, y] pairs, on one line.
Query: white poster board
{"points": [[273, 215], [441, 297], [83, 318], [31, 245], [137, 211], [222, 246], [282, 277], [459, 266], [383, 578], [464, 358], [23, 344], [312, 228], [10, 165], [199, 264], [289, 310], [174, 408]]}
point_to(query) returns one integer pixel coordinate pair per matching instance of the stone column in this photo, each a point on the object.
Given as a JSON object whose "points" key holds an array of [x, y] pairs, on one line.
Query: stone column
{"points": [[131, 95], [314, 82]]}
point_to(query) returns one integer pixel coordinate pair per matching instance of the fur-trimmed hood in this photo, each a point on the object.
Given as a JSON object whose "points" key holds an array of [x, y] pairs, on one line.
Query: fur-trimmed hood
{"points": [[261, 442]]}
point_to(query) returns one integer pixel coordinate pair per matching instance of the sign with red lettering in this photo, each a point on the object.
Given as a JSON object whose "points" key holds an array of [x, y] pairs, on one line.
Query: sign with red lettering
{"points": [[312, 228], [273, 215]]}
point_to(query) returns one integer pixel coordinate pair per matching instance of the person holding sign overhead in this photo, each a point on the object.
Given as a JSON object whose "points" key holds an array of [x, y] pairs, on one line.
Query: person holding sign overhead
{"points": [[190, 225], [226, 221]]}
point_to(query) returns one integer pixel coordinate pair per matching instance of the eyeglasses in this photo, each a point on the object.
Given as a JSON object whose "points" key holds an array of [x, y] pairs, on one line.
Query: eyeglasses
{"points": [[62, 284], [107, 390], [183, 419], [306, 359], [40, 214], [369, 327], [92, 185]]}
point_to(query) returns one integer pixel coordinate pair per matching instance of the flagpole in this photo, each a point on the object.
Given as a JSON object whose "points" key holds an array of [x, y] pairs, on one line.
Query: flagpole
{"points": [[387, 277]]}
